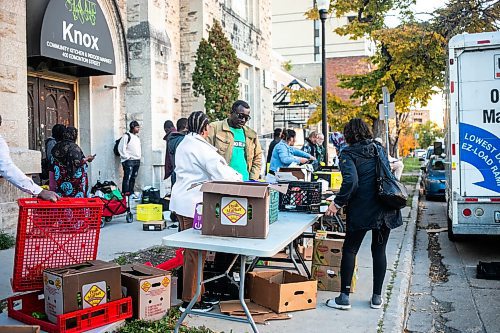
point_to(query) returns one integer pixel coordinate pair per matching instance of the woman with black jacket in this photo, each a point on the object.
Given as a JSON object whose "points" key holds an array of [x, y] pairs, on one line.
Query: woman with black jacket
{"points": [[364, 211]]}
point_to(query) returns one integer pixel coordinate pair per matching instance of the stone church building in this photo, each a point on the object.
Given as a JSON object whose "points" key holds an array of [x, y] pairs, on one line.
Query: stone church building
{"points": [[99, 64]]}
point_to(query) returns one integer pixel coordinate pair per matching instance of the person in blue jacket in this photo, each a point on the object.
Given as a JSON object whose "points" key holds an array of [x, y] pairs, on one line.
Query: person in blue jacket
{"points": [[285, 154]]}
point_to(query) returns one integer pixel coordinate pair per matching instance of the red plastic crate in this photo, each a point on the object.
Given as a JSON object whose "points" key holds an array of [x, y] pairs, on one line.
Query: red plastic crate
{"points": [[51, 235], [21, 308]]}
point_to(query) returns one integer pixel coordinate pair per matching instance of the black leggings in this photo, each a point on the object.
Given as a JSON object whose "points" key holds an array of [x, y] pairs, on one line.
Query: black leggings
{"points": [[350, 249]]}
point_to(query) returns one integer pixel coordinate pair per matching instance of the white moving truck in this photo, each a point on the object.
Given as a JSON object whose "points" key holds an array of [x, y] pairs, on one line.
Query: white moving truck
{"points": [[472, 135]]}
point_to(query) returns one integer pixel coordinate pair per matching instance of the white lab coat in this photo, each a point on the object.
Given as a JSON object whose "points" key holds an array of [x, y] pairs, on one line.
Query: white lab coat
{"points": [[196, 161], [12, 174]]}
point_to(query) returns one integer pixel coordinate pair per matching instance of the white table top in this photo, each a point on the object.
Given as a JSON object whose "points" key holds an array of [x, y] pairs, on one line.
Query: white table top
{"points": [[281, 233]]}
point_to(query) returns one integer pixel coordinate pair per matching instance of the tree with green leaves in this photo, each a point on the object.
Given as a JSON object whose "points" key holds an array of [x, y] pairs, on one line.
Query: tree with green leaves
{"points": [[216, 73], [338, 112], [427, 133], [470, 16], [409, 62]]}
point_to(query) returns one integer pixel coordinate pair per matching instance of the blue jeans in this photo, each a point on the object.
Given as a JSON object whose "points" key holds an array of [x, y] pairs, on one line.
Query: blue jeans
{"points": [[130, 171]]}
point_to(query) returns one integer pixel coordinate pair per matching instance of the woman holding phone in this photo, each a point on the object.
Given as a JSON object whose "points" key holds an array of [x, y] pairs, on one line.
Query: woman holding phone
{"points": [[69, 165]]}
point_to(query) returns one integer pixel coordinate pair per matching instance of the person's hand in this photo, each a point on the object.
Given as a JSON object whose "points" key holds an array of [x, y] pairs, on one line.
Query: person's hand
{"points": [[90, 158], [48, 195], [312, 158], [303, 160], [332, 210]]}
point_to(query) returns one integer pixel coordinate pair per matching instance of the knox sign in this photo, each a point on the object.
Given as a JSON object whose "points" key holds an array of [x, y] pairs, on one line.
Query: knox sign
{"points": [[76, 31]]}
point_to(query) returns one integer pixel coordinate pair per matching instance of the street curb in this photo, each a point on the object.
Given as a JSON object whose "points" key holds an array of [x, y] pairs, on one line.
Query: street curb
{"points": [[394, 317]]}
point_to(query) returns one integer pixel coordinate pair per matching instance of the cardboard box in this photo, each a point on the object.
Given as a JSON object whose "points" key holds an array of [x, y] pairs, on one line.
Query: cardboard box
{"points": [[306, 252], [20, 329], [149, 288], [294, 173], [329, 278], [237, 209], [334, 178], [328, 252], [154, 225], [282, 291], [80, 286]]}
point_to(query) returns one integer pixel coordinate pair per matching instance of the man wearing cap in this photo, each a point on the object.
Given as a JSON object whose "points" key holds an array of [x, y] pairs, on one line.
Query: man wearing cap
{"points": [[130, 156], [238, 143]]}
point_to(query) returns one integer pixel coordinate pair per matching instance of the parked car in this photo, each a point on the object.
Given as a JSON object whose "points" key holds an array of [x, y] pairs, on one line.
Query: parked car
{"points": [[434, 178], [420, 153]]}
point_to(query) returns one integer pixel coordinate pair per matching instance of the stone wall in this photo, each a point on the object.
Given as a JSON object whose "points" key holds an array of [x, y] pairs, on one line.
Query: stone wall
{"points": [[153, 93], [13, 105]]}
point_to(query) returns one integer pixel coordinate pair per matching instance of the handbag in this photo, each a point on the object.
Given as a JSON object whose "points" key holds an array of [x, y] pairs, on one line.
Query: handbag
{"points": [[391, 192]]}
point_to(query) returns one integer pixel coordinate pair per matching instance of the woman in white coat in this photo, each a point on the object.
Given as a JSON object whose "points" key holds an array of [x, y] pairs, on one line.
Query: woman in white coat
{"points": [[196, 161]]}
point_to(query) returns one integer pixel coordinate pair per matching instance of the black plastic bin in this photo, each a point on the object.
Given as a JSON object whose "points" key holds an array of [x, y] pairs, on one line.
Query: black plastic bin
{"points": [[300, 196]]}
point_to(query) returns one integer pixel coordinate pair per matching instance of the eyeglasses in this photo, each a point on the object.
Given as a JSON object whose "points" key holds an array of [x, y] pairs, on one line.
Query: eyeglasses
{"points": [[243, 116]]}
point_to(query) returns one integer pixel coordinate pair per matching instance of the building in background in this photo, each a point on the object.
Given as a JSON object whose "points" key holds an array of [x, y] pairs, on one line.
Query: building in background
{"points": [[299, 40], [419, 116], [100, 66]]}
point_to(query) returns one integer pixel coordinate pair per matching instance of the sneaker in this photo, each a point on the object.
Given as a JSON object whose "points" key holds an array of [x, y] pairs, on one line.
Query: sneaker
{"points": [[198, 307], [341, 302], [376, 301], [134, 196], [209, 299]]}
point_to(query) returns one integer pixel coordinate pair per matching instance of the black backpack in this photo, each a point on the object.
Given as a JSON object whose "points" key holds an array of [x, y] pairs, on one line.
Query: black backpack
{"points": [[117, 142]]}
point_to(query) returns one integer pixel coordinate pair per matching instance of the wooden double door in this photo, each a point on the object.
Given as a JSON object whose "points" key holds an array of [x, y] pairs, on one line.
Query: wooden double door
{"points": [[49, 103]]}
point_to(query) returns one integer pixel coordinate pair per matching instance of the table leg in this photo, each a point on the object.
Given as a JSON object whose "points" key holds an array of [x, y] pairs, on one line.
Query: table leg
{"points": [[302, 262], [242, 295], [291, 251], [197, 294]]}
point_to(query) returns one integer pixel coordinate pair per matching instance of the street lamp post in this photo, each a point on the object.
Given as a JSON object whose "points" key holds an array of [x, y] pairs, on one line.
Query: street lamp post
{"points": [[323, 6]]}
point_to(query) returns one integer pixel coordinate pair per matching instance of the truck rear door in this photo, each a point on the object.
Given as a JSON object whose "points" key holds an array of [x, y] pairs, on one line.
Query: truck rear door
{"points": [[479, 122]]}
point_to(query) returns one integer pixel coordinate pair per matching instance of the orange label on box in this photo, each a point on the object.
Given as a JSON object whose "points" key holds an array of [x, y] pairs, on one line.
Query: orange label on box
{"points": [[94, 296], [146, 286], [58, 284], [165, 282], [234, 211]]}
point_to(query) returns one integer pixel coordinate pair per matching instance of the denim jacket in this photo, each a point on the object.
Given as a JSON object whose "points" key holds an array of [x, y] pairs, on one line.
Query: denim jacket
{"points": [[284, 155]]}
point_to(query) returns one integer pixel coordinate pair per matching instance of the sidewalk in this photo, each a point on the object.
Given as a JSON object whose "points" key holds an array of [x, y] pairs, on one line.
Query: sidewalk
{"points": [[118, 237], [361, 318]]}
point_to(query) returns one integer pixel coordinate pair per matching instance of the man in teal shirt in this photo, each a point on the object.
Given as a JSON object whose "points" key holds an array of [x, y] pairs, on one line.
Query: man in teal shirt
{"points": [[238, 161], [238, 143]]}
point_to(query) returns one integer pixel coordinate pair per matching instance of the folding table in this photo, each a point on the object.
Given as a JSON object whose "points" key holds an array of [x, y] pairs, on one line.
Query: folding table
{"points": [[281, 233]]}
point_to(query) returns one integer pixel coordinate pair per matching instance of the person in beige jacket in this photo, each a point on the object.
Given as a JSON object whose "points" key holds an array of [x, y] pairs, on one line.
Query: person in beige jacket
{"points": [[238, 143]]}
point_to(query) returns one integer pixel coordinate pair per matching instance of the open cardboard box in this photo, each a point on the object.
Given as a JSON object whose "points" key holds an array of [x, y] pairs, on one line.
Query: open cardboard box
{"points": [[294, 174], [237, 209], [80, 286], [149, 288], [282, 291]]}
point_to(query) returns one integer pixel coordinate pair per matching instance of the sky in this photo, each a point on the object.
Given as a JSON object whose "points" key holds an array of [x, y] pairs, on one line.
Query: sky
{"points": [[422, 6]]}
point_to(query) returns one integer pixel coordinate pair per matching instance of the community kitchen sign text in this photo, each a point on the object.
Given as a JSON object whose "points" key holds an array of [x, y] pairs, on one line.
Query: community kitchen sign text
{"points": [[76, 31]]}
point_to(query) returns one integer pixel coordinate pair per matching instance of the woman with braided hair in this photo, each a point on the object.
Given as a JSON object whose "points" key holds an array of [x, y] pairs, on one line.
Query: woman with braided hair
{"points": [[196, 161]]}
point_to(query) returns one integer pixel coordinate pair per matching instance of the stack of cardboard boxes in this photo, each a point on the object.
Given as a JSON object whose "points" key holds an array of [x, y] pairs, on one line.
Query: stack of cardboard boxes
{"points": [[327, 255], [92, 283]]}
